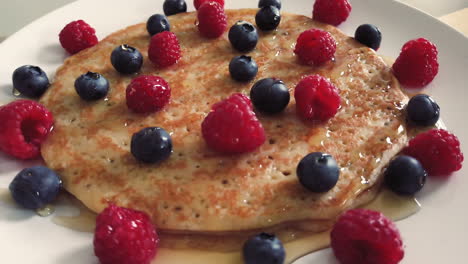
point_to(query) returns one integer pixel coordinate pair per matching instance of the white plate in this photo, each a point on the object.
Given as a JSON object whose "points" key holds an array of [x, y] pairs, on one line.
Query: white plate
{"points": [[437, 234]]}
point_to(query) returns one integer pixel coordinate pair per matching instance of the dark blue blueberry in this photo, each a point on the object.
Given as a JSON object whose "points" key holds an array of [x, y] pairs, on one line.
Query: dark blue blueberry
{"points": [[268, 18], [263, 3], [30, 81], [422, 110], [243, 36], [263, 249], [35, 187], [369, 35], [243, 68], [270, 95], [91, 86], [172, 7], [405, 175], [157, 24], [126, 59], [318, 172], [151, 144]]}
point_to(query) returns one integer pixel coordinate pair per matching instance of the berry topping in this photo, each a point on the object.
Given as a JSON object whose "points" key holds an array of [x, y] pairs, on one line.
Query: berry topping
{"points": [[417, 65], [243, 68], [77, 36], [232, 126], [275, 3], [270, 95], [243, 36], [91, 86], [315, 47], [405, 175], [126, 59], [332, 12], [318, 172], [422, 110], [124, 236], [363, 236], [369, 35], [263, 249], [30, 81], [172, 7], [164, 49], [316, 98], [212, 20], [151, 145], [438, 151], [25, 125], [157, 23], [147, 94], [198, 3], [268, 18]]}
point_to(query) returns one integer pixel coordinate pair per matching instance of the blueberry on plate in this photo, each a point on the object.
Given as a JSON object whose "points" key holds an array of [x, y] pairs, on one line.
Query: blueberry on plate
{"points": [[91, 86], [268, 18], [318, 172], [243, 36], [126, 59], [172, 7], [30, 81], [263, 249], [422, 110], [35, 187], [263, 3], [405, 175], [270, 95], [151, 145], [243, 68], [369, 35], [157, 23]]}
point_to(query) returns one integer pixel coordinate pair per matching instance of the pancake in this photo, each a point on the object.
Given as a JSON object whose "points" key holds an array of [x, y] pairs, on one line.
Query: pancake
{"points": [[198, 190]]}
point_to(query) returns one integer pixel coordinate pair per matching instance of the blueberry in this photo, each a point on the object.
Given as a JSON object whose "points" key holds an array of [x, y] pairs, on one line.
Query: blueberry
{"points": [[172, 7], [126, 59], [263, 249], [243, 68], [270, 95], [318, 172], [243, 36], [157, 24], [275, 3], [30, 81], [91, 86], [422, 110], [151, 145], [405, 175], [368, 35], [35, 187], [268, 18]]}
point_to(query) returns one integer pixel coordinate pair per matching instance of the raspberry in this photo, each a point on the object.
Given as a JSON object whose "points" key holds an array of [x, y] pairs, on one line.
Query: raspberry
{"points": [[316, 98], [417, 65], [366, 237], [315, 47], [232, 127], [212, 20], [164, 49], [198, 3], [77, 36], [147, 94], [124, 236], [332, 12], [438, 151], [25, 125]]}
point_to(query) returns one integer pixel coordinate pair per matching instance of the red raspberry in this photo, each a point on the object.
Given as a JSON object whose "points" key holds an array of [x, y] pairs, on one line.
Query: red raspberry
{"points": [[212, 20], [438, 151], [77, 36], [25, 124], [124, 236], [232, 127], [198, 3], [164, 49], [332, 12], [417, 65], [363, 236], [147, 94], [316, 98], [315, 47]]}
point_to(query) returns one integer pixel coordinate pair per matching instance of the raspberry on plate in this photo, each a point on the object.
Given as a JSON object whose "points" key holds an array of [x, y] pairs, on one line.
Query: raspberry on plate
{"points": [[333, 12], [164, 49], [147, 94], [232, 126], [198, 3], [124, 235], [363, 236], [438, 151], [77, 36], [212, 20], [417, 64], [25, 125], [315, 47]]}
